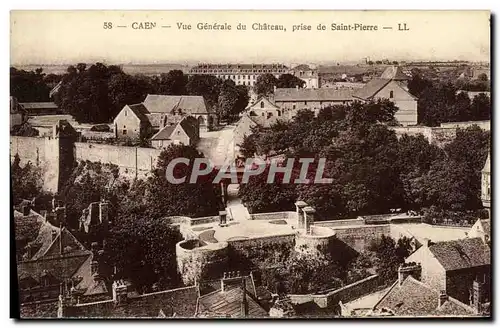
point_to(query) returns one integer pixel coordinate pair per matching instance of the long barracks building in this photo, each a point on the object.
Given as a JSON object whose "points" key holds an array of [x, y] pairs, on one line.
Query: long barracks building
{"points": [[241, 74]]}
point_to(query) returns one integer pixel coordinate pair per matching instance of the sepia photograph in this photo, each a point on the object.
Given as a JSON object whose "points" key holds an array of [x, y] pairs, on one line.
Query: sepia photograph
{"points": [[286, 164]]}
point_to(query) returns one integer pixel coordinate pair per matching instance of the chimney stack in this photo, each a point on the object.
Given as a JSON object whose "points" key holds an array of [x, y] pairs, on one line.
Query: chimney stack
{"points": [[222, 218], [244, 302], [427, 242], [119, 292], [299, 205], [443, 297], [308, 218]]}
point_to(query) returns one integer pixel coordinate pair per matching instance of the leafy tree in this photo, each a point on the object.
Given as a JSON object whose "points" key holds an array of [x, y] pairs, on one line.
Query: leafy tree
{"points": [[389, 255], [28, 86], [248, 148], [233, 100], [482, 77], [481, 107], [143, 250], [26, 181], [173, 83], [264, 86], [289, 81], [207, 86], [24, 130]]}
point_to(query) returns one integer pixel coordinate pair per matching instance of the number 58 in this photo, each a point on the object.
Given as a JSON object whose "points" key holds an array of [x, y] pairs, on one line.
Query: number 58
{"points": [[108, 25]]}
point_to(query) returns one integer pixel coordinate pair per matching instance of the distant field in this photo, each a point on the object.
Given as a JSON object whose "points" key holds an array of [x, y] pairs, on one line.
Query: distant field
{"points": [[129, 69]]}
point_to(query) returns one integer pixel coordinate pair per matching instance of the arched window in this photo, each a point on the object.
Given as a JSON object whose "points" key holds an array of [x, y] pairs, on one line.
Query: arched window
{"points": [[391, 94], [261, 104]]}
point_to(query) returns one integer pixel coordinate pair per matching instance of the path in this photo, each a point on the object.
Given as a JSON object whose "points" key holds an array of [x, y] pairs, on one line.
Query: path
{"points": [[218, 145], [238, 211]]}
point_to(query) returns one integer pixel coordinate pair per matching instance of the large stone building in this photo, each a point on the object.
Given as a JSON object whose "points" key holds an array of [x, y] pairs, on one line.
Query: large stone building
{"points": [[392, 85], [292, 100], [159, 111], [307, 74], [241, 74]]}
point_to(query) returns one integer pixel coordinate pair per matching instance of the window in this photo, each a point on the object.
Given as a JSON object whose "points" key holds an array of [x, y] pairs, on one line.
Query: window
{"points": [[305, 102], [124, 132], [263, 114], [261, 104], [125, 112], [279, 113], [391, 94], [293, 106]]}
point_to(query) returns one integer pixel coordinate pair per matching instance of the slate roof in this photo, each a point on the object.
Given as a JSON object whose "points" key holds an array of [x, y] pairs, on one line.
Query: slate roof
{"points": [[169, 104], [325, 94], [50, 120], [414, 298], [228, 303], [371, 88], [461, 254], [49, 247], [180, 302], [394, 73], [140, 111], [166, 132]]}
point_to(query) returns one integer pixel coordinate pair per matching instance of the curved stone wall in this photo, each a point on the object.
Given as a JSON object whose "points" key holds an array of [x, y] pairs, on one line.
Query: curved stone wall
{"points": [[320, 239], [197, 259]]}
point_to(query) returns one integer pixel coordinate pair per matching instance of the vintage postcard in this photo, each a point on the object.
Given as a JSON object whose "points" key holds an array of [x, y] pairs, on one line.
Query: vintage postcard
{"points": [[250, 164]]}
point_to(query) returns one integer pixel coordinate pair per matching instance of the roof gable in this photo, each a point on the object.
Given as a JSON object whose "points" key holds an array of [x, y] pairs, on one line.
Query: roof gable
{"points": [[165, 133], [267, 103], [68, 242]]}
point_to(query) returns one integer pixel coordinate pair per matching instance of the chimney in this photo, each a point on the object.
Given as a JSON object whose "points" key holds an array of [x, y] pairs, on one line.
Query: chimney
{"points": [[94, 267], [308, 218], [443, 297], [26, 210], [407, 269], [427, 242], [61, 250], [477, 295], [222, 218], [244, 302], [299, 205], [60, 212], [119, 292], [274, 89], [94, 213]]}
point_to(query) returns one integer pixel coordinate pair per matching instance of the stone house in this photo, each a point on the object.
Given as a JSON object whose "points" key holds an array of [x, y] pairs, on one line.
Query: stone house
{"points": [[291, 100], [481, 229], [185, 132], [455, 267], [391, 85], [132, 122], [263, 107]]}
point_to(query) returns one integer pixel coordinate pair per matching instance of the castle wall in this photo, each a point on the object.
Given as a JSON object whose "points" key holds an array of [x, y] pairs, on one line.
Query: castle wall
{"points": [[359, 238], [130, 160]]}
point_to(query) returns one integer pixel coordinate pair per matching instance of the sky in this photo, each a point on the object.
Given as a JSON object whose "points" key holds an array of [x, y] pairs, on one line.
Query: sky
{"points": [[62, 37]]}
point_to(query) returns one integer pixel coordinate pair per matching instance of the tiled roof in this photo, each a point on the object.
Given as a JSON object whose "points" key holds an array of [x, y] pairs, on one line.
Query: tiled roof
{"points": [[228, 303], [50, 120], [169, 104], [371, 89], [41, 309], [461, 254], [394, 73], [486, 227], [61, 268], [165, 133], [44, 239], [413, 298], [51, 247], [325, 94], [190, 128], [180, 302], [140, 111]]}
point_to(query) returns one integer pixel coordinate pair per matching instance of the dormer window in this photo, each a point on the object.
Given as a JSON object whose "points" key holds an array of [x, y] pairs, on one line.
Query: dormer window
{"points": [[261, 104], [391, 94]]}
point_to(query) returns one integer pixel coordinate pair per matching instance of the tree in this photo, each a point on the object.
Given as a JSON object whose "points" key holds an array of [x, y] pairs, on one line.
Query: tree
{"points": [[24, 130], [248, 147], [481, 107], [390, 254], [289, 81], [26, 181], [264, 86], [233, 100], [173, 83], [482, 77], [28, 86], [207, 86], [144, 252]]}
